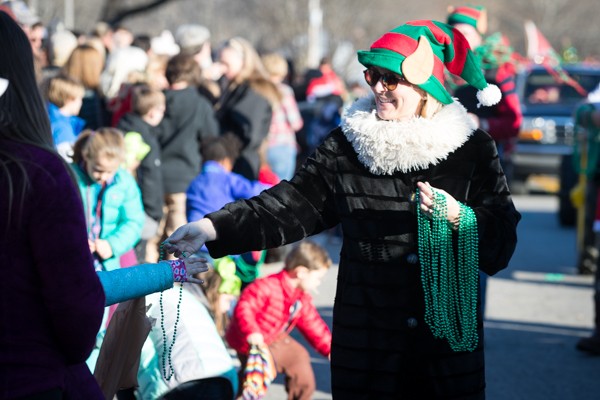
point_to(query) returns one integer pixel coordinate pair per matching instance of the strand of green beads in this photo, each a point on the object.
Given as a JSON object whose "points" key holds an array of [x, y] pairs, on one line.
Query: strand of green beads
{"points": [[424, 250], [449, 282], [469, 262], [440, 230], [167, 359]]}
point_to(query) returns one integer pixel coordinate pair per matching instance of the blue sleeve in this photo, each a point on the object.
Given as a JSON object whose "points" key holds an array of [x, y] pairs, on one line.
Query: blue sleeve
{"points": [[193, 209], [62, 131], [243, 188], [129, 283]]}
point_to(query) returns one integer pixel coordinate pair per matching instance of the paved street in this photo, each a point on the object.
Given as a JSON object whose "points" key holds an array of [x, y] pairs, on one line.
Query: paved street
{"points": [[536, 311]]}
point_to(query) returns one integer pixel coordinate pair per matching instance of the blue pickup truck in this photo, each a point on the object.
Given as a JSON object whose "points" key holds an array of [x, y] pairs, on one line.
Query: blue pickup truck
{"points": [[548, 133]]}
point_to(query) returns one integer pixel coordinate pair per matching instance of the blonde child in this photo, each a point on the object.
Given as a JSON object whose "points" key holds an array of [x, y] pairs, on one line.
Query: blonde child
{"points": [[271, 307], [64, 95], [111, 197], [111, 202]]}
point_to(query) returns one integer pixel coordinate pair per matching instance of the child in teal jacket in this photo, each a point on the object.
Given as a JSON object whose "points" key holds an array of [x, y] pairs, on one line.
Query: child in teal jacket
{"points": [[111, 197]]}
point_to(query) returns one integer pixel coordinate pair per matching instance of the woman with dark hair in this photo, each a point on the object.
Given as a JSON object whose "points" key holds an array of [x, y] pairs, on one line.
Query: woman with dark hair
{"points": [[49, 282], [51, 299]]}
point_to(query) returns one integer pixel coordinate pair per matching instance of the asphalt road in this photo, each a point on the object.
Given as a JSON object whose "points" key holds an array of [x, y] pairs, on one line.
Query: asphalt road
{"points": [[536, 311]]}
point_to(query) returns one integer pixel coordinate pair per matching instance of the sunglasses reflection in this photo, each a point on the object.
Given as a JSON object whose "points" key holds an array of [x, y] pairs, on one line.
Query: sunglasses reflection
{"points": [[389, 80]]}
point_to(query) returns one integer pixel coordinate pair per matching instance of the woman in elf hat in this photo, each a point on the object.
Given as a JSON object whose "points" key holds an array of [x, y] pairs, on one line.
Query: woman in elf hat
{"points": [[423, 205]]}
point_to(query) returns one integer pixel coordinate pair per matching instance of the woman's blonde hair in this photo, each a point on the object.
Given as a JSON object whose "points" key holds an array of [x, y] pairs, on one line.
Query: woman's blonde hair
{"points": [[275, 64], [85, 64], [253, 71], [210, 289], [104, 142], [431, 106]]}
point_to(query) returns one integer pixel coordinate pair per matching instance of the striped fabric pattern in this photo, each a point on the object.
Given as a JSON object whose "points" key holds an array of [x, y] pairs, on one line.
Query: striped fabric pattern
{"points": [[260, 372]]}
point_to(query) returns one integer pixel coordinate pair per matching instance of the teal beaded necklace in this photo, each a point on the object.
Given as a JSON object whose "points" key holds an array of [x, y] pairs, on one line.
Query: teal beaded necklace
{"points": [[167, 360], [449, 282]]}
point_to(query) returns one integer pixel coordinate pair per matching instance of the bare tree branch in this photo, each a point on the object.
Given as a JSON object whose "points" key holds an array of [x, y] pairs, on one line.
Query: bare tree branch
{"points": [[114, 11]]}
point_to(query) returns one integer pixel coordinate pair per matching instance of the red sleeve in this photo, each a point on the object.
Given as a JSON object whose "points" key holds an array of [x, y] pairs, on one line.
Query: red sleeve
{"points": [[252, 302], [267, 176], [507, 120], [313, 328]]}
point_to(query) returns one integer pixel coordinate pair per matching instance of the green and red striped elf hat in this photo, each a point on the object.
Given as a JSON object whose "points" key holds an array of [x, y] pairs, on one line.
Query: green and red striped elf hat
{"points": [[476, 16], [419, 51]]}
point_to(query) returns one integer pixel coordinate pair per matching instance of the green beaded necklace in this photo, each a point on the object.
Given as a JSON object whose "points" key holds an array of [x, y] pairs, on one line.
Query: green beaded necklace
{"points": [[449, 285], [167, 360]]}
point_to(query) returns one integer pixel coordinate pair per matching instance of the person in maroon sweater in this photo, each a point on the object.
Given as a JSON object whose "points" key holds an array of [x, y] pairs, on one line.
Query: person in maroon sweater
{"points": [[51, 300], [271, 307]]}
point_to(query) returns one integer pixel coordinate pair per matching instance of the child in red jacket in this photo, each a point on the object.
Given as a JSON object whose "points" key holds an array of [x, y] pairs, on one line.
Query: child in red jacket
{"points": [[271, 307]]}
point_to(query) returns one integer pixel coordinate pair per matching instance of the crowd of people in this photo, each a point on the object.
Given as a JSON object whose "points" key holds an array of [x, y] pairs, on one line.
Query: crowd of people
{"points": [[175, 148]]}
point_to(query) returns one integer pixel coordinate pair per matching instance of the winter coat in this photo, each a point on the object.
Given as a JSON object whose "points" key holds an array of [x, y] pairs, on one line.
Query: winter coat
{"points": [[214, 187], [122, 211], [504, 119], [364, 177], [64, 128], [247, 114], [149, 173], [51, 301], [94, 110], [265, 307], [188, 119], [198, 352]]}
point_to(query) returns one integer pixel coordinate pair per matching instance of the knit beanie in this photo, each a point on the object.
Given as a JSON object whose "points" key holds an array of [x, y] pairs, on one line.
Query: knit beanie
{"points": [[419, 51], [476, 16], [191, 37], [494, 51]]}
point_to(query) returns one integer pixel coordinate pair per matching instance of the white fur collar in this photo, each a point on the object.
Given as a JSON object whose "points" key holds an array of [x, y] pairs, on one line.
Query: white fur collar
{"points": [[385, 147]]}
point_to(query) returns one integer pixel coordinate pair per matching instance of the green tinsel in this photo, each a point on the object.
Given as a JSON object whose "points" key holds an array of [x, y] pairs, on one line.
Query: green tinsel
{"points": [[450, 283]]}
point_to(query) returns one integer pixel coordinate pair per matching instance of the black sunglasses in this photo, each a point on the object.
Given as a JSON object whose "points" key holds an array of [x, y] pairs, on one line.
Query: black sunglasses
{"points": [[389, 81]]}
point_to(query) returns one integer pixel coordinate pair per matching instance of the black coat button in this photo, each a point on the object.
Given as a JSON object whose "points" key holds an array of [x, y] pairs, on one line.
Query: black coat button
{"points": [[412, 258], [412, 323]]}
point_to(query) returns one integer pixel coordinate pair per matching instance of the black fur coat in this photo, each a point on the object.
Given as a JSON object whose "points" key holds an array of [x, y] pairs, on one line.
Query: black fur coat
{"points": [[364, 176]]}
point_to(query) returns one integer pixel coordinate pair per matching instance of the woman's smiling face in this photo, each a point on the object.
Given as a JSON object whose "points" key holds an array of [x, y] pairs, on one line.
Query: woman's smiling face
{"points": [[402, 103]]}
